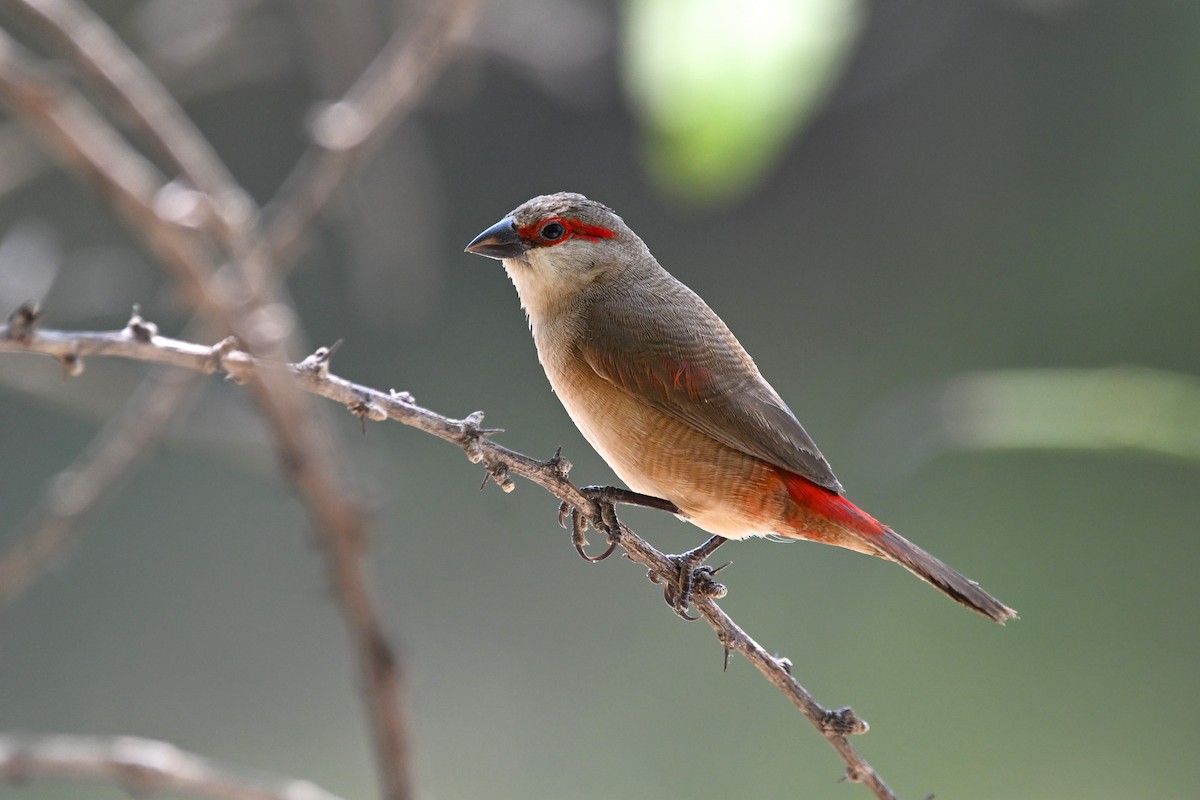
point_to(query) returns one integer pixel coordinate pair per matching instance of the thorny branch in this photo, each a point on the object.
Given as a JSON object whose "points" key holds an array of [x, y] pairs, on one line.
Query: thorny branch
{"points": [[142, 766], [313, 375]]}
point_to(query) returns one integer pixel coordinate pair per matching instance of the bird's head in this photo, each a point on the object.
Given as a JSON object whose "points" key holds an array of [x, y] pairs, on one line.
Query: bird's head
{"points": [[557, 245]]}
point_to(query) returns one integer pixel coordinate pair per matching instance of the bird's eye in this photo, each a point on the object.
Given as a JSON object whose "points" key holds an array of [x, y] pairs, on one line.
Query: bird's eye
{"points": [[552, 231]]}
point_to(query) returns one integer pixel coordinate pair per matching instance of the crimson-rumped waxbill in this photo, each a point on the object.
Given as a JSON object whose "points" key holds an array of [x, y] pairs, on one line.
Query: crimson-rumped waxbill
{"points": [[660, 387]]}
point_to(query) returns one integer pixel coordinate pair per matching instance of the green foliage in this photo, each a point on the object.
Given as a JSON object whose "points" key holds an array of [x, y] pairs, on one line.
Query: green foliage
{"points": [[724, 86]]}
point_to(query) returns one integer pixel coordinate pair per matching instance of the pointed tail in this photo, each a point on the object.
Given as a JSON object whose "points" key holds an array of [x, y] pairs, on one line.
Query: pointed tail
{"points": [[827, 516], [895, 547]]}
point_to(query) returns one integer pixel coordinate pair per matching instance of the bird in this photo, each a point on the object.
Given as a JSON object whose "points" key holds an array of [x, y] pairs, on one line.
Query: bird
{"points": [[663, 391]]}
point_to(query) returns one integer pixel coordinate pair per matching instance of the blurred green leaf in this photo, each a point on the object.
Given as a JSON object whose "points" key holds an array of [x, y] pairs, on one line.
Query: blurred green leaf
{"points": [[1103, 409], [723, 86]]}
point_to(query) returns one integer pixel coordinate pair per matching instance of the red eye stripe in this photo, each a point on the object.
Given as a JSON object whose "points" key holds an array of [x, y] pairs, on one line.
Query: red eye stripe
{"points": [[574, 228]]}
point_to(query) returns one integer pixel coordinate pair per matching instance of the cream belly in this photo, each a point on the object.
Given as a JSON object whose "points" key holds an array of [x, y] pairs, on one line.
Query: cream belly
{"points": [[719, 489]]}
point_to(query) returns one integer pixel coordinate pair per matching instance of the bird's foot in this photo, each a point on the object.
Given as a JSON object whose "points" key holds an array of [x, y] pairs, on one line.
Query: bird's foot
{"points": [[692, 578], [604, 519], [606, 522]]}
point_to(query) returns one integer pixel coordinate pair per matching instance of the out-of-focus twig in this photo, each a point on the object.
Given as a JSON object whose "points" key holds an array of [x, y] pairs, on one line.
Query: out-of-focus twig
{"points": [[103, 57], [73, 130], [140, 766], [345, 132]]}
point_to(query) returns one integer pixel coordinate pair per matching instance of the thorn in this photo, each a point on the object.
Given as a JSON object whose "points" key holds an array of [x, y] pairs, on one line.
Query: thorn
{"points": [[318, 362], [728, 653]]}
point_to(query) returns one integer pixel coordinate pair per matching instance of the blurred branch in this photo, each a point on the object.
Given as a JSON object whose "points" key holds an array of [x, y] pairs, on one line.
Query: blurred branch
{"points": [[347, 131], [500, 462], [242, 56], [140, 766], [83, 139], [247, 301], [103, 58]]}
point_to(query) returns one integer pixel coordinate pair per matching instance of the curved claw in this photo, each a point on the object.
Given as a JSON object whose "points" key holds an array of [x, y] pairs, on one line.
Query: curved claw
{"points": [[680, 610], [594, 559], [578, 529]]}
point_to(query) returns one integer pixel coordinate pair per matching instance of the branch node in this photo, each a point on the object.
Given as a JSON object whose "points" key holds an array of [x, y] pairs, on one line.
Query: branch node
{"points": [[139, 328], [784, 663], [498, 472], [704, 587], [560, 466], [365, 409], [472, 434], [72, 364], [854, 775], [844, 722], [402, 397], [21, 323], [218, 357]]}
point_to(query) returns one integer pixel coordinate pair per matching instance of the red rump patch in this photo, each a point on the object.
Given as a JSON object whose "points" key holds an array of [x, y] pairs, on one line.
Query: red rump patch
{"points": [[831, 505], [575, 229]]}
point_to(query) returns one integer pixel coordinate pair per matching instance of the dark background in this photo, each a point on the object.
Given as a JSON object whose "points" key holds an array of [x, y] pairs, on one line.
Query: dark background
{"points": [[987, 187]]}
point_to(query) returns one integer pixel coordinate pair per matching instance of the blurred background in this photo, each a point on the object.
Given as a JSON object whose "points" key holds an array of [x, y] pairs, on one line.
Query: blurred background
{"points": [[959, 238]]}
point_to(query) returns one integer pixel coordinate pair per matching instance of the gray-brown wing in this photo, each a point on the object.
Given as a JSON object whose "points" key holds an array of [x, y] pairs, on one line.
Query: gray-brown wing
{"points": [[670, 349]]}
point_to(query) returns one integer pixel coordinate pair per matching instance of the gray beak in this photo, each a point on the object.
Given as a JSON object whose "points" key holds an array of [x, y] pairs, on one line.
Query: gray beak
{"points": [[499, 241]]}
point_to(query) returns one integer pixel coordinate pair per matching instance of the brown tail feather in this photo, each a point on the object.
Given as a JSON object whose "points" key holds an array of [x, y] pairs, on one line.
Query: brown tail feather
{"points": [[895, 547], [869, 535]]}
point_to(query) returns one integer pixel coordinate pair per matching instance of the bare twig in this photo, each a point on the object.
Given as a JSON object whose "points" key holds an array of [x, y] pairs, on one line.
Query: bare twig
{"points": [[142, 767], [468, 433], [346, 131]]}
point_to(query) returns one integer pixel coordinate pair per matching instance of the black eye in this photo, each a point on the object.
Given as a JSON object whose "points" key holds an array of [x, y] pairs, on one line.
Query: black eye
{"points": [[552, 231]]}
